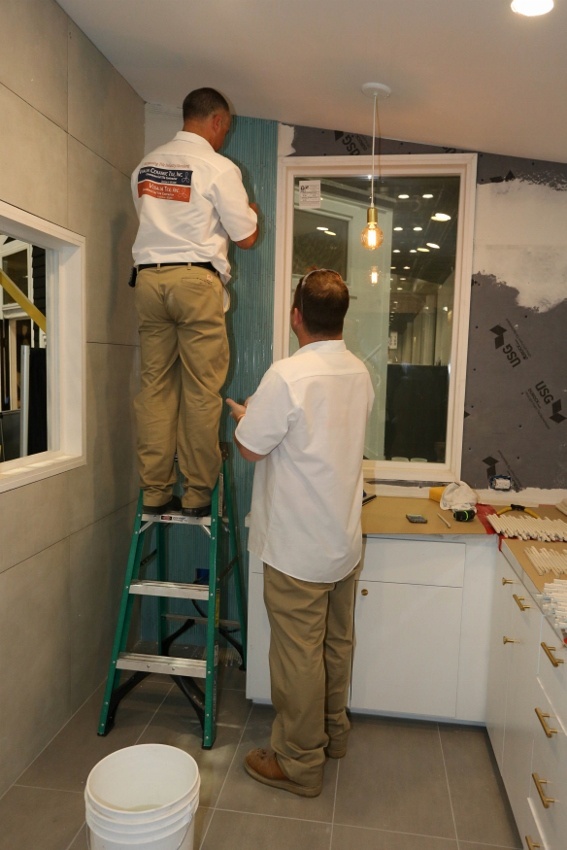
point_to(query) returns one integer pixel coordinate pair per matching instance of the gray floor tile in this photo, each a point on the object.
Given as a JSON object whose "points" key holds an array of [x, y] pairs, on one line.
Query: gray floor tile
{"points": [[175, 724], [34, 818], [403, 785], [236, 831], [67, 761], [393, 778], [482, 812], [348, 837]]}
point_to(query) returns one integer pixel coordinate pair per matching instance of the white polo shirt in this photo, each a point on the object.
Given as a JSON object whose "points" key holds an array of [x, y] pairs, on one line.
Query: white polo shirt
{"points": [[190, 201], [309, 417]]}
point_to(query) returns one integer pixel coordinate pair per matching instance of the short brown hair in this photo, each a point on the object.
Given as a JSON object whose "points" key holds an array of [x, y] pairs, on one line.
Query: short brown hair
{"points": [[204, 102], [322, 298]]}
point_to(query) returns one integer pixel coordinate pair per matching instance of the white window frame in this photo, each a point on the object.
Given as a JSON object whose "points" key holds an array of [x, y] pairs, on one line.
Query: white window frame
{"points": [[66, 369], [462, 165]]}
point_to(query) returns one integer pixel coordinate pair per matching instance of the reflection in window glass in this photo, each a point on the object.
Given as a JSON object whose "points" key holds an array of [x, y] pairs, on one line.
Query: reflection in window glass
{"points": [[402, 299], [23, 354]]}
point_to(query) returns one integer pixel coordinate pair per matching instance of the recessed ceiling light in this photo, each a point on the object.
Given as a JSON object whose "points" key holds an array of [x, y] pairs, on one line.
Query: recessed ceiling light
{"points": [[532, 8], [398, 228], [400, 288], [432, 245], [418, 228], [392, 268], [322, 228], [440, 217], [413, 251], [403, 197], [428, 195], [424, 250], [330, 233], [396, 251], [407, 268]]}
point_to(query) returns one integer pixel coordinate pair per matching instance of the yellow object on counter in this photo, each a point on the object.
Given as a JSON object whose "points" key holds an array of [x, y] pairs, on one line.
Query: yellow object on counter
{"points": [[435, 493]]}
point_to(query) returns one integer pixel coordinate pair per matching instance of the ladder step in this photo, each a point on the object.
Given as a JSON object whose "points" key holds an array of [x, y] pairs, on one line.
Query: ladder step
{"points": [[162, 664], [171, 589], [177, 517]]}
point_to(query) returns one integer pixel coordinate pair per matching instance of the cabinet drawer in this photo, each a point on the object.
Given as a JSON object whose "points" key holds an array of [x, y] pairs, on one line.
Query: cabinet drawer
{"points": [[549, 772], [552, 674], [532, 837], [414, 562]]}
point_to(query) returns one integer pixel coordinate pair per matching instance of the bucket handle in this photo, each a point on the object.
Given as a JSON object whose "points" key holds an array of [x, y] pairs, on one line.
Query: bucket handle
{"points": [[88, 831]]}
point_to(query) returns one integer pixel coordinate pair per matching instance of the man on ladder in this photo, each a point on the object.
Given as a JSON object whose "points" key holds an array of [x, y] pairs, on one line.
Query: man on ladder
{"points": [[304, 427], [190, 202]]}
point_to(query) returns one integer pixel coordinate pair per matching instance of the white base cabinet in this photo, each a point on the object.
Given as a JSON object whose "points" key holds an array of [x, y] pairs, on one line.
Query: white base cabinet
{"points": [[511, 692], [422, 620], [527, 710]]}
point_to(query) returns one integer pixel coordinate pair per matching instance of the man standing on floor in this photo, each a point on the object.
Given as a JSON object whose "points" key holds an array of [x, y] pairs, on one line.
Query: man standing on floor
{"points": [[190, 202], [304, 427]]}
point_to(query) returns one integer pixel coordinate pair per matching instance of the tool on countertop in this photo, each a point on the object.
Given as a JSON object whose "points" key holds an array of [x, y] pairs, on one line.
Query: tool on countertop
{"points": [[518, 508]]}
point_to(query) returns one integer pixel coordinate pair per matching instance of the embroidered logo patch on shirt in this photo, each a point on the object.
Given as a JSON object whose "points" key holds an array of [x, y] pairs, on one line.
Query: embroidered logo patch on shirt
{"points": [[169, 184]]}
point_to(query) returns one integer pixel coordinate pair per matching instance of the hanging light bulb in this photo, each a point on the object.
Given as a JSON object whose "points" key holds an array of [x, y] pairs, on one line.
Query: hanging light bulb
{"points": [[374, 275], [372, 236]]}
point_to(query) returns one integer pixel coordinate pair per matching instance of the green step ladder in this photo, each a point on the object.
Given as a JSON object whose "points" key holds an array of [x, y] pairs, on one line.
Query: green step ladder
{"points": [[203, 592]]}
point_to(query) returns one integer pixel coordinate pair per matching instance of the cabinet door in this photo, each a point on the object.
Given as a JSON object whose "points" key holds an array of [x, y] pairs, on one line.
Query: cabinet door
{"points": [[499, 666], [524, 627], [407, 648], [512, 684]]}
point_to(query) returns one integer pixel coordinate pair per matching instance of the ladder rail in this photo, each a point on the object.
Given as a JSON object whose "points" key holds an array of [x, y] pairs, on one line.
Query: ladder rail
{"points": [[183, 670]]}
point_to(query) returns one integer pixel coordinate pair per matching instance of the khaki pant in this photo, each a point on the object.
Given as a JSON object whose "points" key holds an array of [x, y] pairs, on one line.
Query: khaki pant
{"points": [[310, 668], [184, 361]]}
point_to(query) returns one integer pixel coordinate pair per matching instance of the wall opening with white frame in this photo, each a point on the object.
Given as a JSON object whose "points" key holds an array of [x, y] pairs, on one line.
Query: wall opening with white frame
{"points": [[42, 312], [410, 298]]}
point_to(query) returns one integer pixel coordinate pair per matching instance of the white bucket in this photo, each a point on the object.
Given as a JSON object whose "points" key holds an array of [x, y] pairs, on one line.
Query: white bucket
{"points": [[144, 796]]}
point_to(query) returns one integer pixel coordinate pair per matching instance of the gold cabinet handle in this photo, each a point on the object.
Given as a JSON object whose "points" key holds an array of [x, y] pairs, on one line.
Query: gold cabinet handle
{"points": [[542, 717], [531, 844], [507, 581], [364, 592], [549, 650], [547, 801], [509, 640], [520, 600]]}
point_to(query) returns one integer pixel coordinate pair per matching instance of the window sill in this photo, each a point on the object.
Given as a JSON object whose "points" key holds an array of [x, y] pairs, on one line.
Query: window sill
{"points": [[18, 473]]}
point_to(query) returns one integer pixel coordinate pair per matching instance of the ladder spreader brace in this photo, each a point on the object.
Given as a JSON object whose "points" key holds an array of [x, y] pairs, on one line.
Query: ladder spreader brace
{"points": [[184, 671]]}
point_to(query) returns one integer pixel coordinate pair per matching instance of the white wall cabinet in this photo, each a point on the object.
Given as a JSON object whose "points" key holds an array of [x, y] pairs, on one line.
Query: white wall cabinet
{"points": [[422, 628]]}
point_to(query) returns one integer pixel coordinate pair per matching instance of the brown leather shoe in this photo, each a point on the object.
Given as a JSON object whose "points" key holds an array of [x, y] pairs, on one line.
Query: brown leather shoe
{"points": [[263, 766]]}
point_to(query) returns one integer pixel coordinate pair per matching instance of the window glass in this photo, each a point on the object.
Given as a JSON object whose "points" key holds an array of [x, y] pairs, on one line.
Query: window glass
{"points": [[405, 295], [41, 348]]}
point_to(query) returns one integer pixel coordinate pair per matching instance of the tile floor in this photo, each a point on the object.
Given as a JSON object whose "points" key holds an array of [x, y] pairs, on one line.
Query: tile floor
{"points": [[403, 785]]}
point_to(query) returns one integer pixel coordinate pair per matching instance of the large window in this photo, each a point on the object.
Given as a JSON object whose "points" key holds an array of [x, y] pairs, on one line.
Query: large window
{"points": [[41, 348], [408, 317]]}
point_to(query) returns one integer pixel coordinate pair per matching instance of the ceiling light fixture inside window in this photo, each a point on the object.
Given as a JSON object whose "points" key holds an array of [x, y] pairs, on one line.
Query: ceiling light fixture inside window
{"points": [[532, 8], [372, 236]]}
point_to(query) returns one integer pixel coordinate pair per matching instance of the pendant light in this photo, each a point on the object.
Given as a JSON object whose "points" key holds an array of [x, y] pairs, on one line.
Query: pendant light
{"points": [[532, 8], [372, 235]]}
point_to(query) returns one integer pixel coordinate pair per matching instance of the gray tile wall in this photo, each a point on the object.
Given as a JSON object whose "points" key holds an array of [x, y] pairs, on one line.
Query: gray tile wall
{"points": [[72, 132]]}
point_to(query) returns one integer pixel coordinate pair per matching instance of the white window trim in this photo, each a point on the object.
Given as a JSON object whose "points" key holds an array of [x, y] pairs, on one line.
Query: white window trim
{"points": [[463, 165], [66, 367]]}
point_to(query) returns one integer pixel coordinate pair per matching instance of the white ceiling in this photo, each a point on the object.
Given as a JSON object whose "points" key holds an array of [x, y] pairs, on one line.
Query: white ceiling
{"points": [[464, 73]]}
